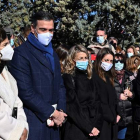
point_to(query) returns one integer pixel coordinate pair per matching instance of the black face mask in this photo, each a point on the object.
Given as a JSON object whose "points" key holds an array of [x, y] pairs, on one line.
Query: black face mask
{"points": [[2, 64]]}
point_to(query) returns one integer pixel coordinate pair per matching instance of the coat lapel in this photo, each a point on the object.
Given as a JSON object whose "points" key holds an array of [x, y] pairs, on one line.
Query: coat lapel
{"points": [[39, 56]]}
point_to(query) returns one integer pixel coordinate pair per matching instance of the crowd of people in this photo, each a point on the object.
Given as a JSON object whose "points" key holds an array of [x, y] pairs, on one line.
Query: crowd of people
{"points": [[82, 93]]}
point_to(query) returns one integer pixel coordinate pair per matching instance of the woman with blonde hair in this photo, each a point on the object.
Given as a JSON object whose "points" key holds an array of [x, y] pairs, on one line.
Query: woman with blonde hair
{"points": [[83, 106], [132, 65]]}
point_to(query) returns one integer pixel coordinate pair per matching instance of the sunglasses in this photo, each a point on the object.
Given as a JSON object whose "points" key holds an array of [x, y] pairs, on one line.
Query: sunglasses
{"points": [[121, 61]]}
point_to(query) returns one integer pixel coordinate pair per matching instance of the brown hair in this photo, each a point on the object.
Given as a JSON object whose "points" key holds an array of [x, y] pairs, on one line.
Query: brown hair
{"points": [[134, 49], [98, 69], [118, 48], [69, 66], [132, 63], [62, 53], [27, 31]]}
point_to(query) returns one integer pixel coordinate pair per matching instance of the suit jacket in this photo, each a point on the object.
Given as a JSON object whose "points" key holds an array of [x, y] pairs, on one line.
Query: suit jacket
{"points": [[39, 88], [10, 128]]}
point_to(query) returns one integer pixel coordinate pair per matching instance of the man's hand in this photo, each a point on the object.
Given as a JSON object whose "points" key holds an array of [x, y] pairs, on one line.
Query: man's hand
{"points": [[24, 134], [58, 117], [94, 132]]}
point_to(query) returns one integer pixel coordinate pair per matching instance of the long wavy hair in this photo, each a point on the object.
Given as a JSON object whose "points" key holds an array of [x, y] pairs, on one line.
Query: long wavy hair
{"points": [[69, 66], [133, 63], [133, 48], [97, 65]]}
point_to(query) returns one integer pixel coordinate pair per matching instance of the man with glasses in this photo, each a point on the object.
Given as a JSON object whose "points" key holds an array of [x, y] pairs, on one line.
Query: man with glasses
{"points": [[36, 68]]}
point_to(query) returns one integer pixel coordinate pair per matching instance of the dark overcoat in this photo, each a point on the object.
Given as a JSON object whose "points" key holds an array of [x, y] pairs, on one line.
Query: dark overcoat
{"points": [[39, 88], [109, 106], [83, 107]]}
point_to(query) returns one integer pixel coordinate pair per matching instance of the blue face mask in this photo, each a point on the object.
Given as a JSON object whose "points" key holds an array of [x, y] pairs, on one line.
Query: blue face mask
{"points": [[82, 65], [11, 42], [119, 66], [100, 39], [129, 55]]}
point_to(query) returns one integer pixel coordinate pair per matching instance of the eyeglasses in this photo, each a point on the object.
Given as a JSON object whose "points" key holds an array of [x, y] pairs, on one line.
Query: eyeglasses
{"points": [[121, 61]]}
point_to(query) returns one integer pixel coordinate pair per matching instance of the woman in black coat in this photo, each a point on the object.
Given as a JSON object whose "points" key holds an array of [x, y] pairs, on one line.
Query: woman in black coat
{"points": [[132, 65], [104, 78], [123, 87], [84, 120]]}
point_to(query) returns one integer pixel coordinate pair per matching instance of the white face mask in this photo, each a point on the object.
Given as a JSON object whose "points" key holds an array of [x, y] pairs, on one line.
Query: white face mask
{"points": [[106, 66], [7, 53], [129, 54], [45, 38]]}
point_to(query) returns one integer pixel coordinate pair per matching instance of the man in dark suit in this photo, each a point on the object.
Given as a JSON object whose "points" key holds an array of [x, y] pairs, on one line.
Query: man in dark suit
{"points": [[36, 68]]}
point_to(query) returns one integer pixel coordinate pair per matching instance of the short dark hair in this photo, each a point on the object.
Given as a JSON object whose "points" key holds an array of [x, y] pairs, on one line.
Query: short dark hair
{"points": [[3, 35], [112, 38], [41, 15], [101, 29]]}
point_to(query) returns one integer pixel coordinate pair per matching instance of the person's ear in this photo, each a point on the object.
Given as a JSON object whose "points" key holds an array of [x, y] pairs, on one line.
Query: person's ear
{"points": [[32, 29], [105, 37]]}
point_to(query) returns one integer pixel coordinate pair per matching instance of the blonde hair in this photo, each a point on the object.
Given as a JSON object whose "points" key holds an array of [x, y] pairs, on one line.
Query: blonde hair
{"points": [[132, 63], [69, 66]]}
